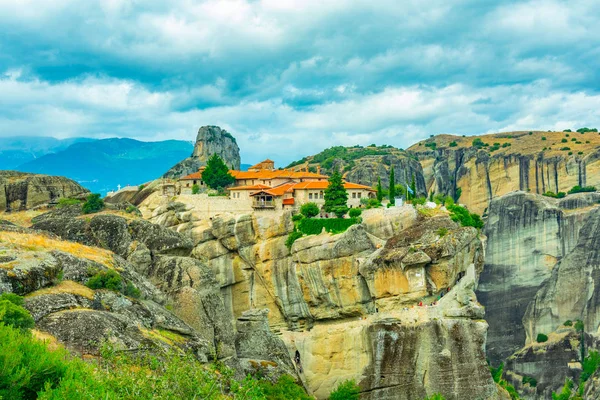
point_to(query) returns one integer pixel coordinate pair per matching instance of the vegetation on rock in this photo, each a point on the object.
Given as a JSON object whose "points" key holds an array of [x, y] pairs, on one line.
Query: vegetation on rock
{"points": [[541, 338], [347, 390], [464, 217], [309, 210], [579, 189], [93, 204]]}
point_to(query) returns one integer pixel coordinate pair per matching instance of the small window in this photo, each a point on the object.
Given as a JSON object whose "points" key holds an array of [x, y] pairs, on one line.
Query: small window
{"points": [[194, 182], [310, 196], [353, 195], [359, 195], [321, 195]]}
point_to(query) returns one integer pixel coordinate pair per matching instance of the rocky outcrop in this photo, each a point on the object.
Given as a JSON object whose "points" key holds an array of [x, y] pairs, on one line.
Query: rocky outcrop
{"points": [[210, 140], [548, 363], [347, 304], [22, 191], [527, 235], [522, 161]]}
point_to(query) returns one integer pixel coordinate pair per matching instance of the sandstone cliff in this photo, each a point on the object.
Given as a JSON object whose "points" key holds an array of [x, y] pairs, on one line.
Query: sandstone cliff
{"points": [[210, 140], [366, 165], [22, 191], [347, 303], [528, 161], [527, 235]]}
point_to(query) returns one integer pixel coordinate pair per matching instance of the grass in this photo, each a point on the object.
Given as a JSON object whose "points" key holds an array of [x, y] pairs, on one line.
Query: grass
{"points": [[66, 287], [21, 218], [40, 242], [168, 337]]}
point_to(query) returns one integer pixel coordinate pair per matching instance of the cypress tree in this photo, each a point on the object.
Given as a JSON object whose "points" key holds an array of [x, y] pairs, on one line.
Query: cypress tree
{"points": [[379, 191], [216, 175], [413, 186], [392, 187], [336, 196]]}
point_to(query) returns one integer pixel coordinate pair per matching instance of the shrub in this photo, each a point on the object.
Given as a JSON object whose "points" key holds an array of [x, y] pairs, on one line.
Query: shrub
{"points": [[464, 217], [541, 338], [13, 298], [297, 217], [579, 189], [347, 390], [372, 203], [109, 279], [530, 133], [131, 291], [505, 145], [453, 144], [565, 148], [285, 389], [309, 210], [558, 195], [141, 187], [590, 365], [565, 393], [292, 237], [529, 380], [584, 130], [543, 137], [570, 153], [579, 326], [419, 201], [580, 152], [442, 232], [14, 315], [93, 204], [436, 396], [354, 212], [477, 142], [64, 202], [314, 226], [431, 145], [568, 323], [195, 188], [567, 130]]}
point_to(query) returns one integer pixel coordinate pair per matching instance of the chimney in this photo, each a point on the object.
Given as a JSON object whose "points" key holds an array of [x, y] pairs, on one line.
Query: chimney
{"points": [[318, 169]]}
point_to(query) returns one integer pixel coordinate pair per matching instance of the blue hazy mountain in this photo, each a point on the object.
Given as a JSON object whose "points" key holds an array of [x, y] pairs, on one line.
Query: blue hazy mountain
{"points": [[17, 150], [101, 165]]}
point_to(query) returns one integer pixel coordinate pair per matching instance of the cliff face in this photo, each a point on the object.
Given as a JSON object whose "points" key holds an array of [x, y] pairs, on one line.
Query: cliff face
{"points": [[22, 191], [533, 163], [527, 235], [347, 303], [366, 165], [210, 140]]}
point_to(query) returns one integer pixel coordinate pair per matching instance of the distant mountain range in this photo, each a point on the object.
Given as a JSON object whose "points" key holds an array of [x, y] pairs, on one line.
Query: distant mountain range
{"points": [[99, 165]]}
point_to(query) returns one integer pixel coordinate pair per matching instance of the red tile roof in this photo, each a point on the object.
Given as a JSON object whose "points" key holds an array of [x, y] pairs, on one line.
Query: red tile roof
{"points": [[250, 187], [195, 175], [320, 185], [288, 202], [268, 174]]}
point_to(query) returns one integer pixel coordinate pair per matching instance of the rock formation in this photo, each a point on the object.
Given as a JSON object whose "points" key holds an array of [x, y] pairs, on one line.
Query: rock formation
{"points": [[367, 165], [524, 161], [21, 191], [527, 234], [210, 140]]}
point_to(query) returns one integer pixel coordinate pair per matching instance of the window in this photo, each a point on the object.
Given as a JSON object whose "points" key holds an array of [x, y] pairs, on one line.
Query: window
{"points": [[194, 182], [321, 195], [358, 195], [310, 196], [353, 195]]}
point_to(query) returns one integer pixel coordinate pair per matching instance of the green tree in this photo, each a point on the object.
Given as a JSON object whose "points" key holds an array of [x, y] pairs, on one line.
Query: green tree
{"points": [[347, 390], [93, 204], [392, 191], [216, 174], [336, 196], [379, 191], [309, 210], [413, 186], [195, 188]]}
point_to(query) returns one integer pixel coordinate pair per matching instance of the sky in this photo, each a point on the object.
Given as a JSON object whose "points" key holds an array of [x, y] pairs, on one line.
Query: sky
{"points": [[289, 78]]}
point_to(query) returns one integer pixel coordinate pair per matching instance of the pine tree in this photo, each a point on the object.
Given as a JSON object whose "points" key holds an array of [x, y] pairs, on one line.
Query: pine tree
{"points": [[392, 195], [413, 187], [336, 196], [216, 175], [379, 191]]}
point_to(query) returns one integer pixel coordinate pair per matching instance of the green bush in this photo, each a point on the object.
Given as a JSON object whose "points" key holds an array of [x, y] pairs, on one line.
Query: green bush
{"points": [[347, 390], [419, 201], [297, 217], [529, 380], [453, 144], [314, 226], [131, 291], [565, 148], [579, 189], [558, 195], [477, 142], [354, 212], [579, 326], [93, 204], [565, 393], [431, 145], [13, 298], [567, 130], [285, 389], [64, 202], [564, 141], [370, 203], [195, 188], [584, 130], [543, 137], [109, 279], [568, 323], [292, 237], [442, 232], [506, 145], [141, 187], [436, 396], [309, 210], [464, 217], [14, 315], [541, 338], [590, 365]]}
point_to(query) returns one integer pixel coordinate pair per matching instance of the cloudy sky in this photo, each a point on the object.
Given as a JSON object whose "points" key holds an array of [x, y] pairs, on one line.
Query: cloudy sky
{"points": [[291, 77]]}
